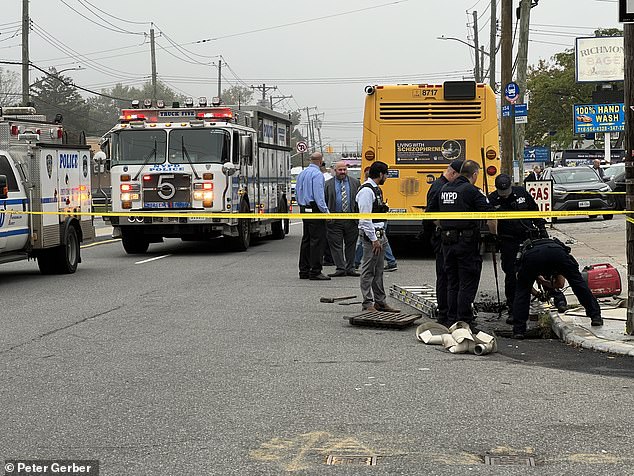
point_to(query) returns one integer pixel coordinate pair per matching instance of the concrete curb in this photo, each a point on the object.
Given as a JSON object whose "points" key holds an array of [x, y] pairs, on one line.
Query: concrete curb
{"points": [[567, 331]]}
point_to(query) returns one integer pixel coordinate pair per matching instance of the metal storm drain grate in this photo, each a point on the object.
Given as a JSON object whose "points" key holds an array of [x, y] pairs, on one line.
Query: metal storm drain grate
{"points": [[383, 319], [357, 460], [509, 460]]}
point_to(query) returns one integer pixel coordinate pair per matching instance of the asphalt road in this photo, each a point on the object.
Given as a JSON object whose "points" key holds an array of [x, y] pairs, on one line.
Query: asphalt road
{"points": [[206, 361]]}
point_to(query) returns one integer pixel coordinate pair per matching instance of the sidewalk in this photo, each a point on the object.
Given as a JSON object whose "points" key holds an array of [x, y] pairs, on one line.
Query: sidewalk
{"points": [[605, 244]]}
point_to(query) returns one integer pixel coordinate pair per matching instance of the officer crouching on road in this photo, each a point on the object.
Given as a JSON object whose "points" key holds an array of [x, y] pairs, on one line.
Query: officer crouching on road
{"points": [[551, 259], [461, 241], [512, 233]]}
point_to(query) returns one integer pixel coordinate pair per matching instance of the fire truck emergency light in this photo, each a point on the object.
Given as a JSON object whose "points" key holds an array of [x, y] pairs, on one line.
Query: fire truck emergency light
{"points": [[202, 101], [189, 102], [135, 103], [215, 101], [160, 103], [147, 103]]}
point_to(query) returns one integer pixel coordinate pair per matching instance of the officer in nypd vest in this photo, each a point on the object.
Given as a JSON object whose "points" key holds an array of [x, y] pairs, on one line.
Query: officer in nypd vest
{"points": [[461, 241]]}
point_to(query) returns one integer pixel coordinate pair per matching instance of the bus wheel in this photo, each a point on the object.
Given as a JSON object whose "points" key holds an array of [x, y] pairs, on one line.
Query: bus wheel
{"points": [[134, 243]]}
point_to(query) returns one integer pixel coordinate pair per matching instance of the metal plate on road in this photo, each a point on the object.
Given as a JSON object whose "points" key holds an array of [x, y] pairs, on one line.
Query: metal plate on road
{"points": [[383, 319]]}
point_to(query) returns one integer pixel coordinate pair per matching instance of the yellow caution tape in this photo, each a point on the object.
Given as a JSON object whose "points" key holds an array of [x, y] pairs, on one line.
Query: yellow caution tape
{"points": [[338, 216], [631, 220]]}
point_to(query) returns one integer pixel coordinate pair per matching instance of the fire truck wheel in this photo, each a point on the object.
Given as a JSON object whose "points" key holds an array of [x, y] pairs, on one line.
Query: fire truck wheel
{"points": [[243, 240], [608, 217], [134, 243], [278, 230], [62, 259], [287, 226]]}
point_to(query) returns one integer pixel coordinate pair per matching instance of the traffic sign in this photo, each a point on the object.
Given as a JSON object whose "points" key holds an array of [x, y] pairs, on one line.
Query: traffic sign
{"points": [[512, 92], [521, 110], [506, 111], [302, 146], [521, 119]]}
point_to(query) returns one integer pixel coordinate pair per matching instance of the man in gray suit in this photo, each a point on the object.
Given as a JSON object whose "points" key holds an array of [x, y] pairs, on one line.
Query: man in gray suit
{"points": [[342, 235]]}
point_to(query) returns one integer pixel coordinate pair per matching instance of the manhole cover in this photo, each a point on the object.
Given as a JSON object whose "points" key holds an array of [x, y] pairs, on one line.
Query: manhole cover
{"points": [[509, 460], [383, 319], [358, 460]]}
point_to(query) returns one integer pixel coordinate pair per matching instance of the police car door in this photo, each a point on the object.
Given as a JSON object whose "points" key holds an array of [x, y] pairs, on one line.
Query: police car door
{"points": [[14, 225]]}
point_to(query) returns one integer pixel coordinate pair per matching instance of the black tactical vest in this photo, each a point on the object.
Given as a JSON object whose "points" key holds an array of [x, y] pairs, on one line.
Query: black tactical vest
{"points": [[378, 205]]}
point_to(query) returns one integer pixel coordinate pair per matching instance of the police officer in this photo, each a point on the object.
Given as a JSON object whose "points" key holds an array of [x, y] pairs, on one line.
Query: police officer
{"points": [[461, 241], [551, 259], [449, 175], [512, 233]]}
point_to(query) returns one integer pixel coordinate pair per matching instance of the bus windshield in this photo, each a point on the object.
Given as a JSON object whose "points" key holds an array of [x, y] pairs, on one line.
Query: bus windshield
{"points": [[132, 147], [199, 146]]}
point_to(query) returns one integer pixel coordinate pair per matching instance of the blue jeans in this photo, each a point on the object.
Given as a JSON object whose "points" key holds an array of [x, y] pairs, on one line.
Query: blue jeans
{"points": [[358, 254]]}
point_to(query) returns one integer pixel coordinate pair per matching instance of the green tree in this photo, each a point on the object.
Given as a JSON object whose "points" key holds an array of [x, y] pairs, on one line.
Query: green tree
{"points": [[105, 111], [234, 95], [9, 88], [55, 94]]}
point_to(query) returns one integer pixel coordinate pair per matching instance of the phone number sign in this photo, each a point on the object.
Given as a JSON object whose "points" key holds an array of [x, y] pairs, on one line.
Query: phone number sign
{"points": [[591, 118]]}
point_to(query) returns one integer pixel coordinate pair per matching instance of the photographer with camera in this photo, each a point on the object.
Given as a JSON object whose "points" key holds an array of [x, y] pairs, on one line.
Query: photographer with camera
{"points": [[512, 233]]}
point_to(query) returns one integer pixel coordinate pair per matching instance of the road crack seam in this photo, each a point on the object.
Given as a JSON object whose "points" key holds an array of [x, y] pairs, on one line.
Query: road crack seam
{"points": [[55, 331]]}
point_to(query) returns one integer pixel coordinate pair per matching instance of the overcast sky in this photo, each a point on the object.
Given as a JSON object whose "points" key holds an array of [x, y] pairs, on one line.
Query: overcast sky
{"points": [[323, 63]]}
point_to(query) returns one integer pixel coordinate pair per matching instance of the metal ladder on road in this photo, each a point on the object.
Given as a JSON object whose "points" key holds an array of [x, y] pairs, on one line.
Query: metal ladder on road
{"points": [[422, 298]]}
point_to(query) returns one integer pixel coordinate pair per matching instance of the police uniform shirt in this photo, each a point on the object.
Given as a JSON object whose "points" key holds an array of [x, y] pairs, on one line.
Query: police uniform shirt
{"points": [[518, 200], [434, 193], [462, 196]]}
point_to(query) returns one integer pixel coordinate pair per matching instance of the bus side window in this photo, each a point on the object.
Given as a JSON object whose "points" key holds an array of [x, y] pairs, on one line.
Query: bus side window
{"points": [[5, 169]]}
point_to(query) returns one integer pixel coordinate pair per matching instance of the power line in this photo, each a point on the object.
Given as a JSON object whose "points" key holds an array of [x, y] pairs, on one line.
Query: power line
{"points": [[300, 22], [116, 29], [66, 83], [115, 17]]}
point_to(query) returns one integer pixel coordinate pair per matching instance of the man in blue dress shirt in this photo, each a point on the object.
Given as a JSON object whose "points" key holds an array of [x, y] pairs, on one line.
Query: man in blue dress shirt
{"points": [[311, 198]]}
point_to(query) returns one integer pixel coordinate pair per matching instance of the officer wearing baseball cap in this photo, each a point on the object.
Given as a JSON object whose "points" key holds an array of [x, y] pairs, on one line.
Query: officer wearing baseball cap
{"points": [[460, 239], [512, 233], [432, 230]]}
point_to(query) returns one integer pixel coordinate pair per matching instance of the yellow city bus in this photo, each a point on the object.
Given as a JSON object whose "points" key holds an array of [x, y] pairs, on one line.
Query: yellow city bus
{"points": [[418, 129]]}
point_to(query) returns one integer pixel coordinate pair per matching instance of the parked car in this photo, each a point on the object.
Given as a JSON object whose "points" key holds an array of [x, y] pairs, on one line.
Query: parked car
{"points": [[579, 188], [615, 177]]}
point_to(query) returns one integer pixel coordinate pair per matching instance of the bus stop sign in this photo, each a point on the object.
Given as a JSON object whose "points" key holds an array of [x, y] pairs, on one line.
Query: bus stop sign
{"points": [[512, 92]]}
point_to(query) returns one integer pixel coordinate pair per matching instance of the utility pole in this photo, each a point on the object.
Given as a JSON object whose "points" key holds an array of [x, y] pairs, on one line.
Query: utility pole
{"points": [[492, 43], [153, 52], [219, 76], [311, 128], [25, 52], [507, 74], [522, 65], [277, 97], [264, 88], [482, 53], [478, 72], [628, 86], [318, 125]]}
